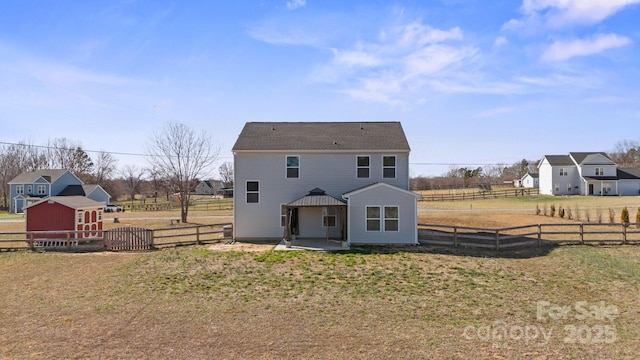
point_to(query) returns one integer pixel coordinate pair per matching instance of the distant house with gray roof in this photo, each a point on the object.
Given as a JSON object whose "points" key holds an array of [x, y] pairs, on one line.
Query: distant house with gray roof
{"points": [[32, 186], [343, 181], [586, 173]]}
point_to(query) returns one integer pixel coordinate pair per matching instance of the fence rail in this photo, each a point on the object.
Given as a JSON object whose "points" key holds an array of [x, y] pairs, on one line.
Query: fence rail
{"points": [[120, 239], [529, 235], [468, 195]]}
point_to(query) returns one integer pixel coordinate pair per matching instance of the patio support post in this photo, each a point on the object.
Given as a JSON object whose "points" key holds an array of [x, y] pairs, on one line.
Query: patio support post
{"points": [[287, 228]]}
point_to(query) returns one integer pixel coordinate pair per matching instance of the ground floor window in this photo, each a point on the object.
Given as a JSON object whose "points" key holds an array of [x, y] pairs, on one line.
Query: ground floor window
{"points": [[373, 218], [390, 218], [253, 192]]}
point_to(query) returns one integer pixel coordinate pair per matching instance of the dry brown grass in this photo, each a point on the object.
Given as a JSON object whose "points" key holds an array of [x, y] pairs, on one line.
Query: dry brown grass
{"points": [[195, 303]]}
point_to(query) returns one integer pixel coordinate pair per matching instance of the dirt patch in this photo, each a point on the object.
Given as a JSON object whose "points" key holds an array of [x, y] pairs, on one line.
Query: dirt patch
{"points": [[240, 246]]}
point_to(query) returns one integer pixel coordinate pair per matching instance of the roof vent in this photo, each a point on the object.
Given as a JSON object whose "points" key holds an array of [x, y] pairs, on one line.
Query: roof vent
{"points": [[335, 142], [361, 126], [316, 191]]}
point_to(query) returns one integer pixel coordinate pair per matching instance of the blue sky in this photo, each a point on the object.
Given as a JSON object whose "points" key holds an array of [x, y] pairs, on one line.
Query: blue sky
{"points": [[473, 82]]}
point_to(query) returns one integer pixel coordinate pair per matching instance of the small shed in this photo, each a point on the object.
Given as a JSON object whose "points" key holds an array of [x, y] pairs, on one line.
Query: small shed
{"points": [[65, 213]]}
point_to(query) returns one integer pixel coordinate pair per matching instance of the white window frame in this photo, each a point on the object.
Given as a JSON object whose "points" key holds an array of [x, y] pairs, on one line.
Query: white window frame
{"points": [[563, 172], [80, 217], [19, 189], [389, 167], [297, 167], [331, 213], [396, 219], [29, 189], [599, 171], [569, 188], [368, 166], [41, 189], [247, 192], [367, 218]]}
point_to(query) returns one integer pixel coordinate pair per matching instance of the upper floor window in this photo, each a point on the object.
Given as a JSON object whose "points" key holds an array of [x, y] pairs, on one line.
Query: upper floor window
{"points": [[253, 192], [363, 166], [41, 189], [599, 171], [293, 166], [29, 189], [389, 167], [19, 189], [563, 172]]}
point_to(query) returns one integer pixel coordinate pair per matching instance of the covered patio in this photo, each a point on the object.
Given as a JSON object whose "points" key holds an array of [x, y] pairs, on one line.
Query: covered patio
{"points": [[315, 221]]}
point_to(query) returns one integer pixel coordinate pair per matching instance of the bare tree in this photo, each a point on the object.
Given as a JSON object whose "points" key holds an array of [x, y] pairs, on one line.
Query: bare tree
{"points": [[63, 153], [226, 173], [626, 153], [182, 156], [103, 168], [132, 177], [15, 159]]}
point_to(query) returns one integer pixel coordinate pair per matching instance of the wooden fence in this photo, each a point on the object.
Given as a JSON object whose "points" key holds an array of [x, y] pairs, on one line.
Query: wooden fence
{"points": [[467, 195], [529, 235], [119, 239]]}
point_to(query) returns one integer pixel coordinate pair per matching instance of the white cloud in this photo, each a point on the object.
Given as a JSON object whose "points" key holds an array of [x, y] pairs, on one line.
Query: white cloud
{"points": [[500, 41], [400, 62], [562, 13], [567, 49], [294, 4]]}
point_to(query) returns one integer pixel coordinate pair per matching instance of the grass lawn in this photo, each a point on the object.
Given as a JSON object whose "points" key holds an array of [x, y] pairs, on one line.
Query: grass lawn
{"points": [[367, 303]]}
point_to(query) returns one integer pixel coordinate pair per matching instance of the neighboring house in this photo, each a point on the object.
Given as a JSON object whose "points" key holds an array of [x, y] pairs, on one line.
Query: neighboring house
{"points": [[530, 180], [585, 173], [346, 181], [32, 186], [60, 213], [209, 187]]}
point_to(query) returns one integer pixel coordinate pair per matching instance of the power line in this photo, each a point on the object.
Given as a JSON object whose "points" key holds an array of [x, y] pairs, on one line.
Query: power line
{"points": [[85, 150]]}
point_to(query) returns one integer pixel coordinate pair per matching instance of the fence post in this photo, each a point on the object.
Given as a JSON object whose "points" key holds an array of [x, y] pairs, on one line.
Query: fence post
{"points": [[455, 236], [582, 234], [153, 233], [497, 240], [31, 245], [198, 235], [539, 235], [68, 240], [624, 234]]}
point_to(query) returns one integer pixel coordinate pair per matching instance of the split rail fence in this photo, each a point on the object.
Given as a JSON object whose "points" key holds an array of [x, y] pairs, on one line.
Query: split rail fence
{"points": [[529, 235], [467, 195], [118, 239]]}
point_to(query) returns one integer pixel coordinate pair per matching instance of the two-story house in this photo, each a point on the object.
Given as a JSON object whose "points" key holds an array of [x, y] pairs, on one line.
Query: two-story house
{"points": [[32, 186], [346, 181], [586, 173]]}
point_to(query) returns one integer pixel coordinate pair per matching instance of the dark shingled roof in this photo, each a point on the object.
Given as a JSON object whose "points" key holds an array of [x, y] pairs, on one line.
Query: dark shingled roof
{"points": [[629, 173], [581, 156], [73, 190], [557, 160], [313, 136], [28, 177]]}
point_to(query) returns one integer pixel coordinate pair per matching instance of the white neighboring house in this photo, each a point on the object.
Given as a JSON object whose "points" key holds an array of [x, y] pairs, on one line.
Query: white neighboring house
{"points": [[530, 180], [586, 173], [345, 181]]}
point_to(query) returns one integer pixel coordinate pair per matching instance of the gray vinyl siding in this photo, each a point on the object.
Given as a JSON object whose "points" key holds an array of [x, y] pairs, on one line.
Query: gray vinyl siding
{"points": [[333, 172], [382, 196]]}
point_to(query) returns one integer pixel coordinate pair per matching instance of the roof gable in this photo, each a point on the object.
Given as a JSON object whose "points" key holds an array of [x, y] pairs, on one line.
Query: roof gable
{"points": [[376, 185], [49, 175], [325, 136], [594, 158]]}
